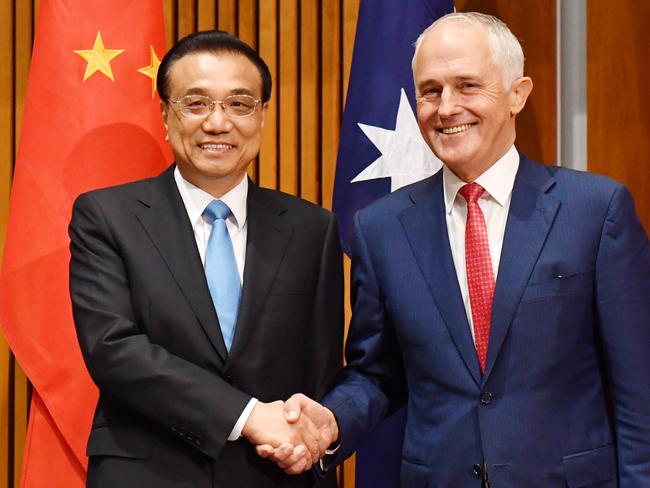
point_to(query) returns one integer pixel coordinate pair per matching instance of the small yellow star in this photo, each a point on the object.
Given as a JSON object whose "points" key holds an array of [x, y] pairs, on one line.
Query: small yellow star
{"points": [[99, 58], [152, 70]]}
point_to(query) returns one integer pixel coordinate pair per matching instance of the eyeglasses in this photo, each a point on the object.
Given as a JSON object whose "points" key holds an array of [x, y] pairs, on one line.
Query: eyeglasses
{"points": [[196, 106]]}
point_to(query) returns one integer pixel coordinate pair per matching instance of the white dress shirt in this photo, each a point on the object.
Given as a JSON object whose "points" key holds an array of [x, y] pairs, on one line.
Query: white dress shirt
{"points": [[195, 201], [497, 181]]}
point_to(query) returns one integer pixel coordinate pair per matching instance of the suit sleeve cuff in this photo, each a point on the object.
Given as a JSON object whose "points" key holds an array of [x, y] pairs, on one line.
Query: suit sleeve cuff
{"points": [[235, 433]]}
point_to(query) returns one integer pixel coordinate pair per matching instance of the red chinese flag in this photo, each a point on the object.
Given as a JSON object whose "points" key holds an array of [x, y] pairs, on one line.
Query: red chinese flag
{"points": [[91, 119]]}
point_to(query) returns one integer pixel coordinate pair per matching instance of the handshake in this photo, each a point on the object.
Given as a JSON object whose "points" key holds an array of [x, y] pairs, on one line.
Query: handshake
{"points": [[293, 434]]}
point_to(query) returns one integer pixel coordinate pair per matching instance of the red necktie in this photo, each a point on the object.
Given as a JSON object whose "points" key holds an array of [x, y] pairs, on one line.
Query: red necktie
{"points": [[480, 276]]}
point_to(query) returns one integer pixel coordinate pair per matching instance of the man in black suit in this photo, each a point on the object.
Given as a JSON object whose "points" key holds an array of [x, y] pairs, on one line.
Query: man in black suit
{"points": [[187, 381]]}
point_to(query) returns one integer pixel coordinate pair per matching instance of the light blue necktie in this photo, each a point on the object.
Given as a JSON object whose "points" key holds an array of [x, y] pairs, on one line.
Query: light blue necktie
{"points": [[221, 270]]}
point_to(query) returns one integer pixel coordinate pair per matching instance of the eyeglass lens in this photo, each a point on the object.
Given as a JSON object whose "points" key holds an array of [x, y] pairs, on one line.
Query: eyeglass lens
{"points": [[200, 105]]}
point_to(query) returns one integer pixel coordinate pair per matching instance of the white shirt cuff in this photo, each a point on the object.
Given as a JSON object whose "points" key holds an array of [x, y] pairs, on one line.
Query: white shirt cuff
{"points": [[235, 433], [328, 453]]}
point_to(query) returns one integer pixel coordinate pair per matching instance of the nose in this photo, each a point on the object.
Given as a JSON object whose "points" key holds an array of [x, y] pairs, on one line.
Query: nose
{"points": [[448, 105], [217, 121]]}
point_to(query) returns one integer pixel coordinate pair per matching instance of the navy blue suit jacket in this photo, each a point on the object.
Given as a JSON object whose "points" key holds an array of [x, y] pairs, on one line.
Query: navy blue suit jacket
{"points": [[565, 398]]}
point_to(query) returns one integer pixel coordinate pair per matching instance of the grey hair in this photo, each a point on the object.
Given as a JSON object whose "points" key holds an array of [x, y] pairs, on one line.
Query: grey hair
{"points": [[504, 46]]}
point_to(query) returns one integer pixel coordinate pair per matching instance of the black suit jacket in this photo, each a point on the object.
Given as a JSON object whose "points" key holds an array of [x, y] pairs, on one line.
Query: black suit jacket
{"points": [[169, 391]]}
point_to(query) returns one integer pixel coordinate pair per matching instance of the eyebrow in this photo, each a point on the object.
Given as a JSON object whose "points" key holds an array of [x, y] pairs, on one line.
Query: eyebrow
{"points": [[202, 91], [241, 91], [460, 78]]}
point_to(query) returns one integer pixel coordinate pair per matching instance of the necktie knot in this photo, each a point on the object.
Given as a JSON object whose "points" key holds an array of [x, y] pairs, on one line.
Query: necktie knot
{"points": [[471, 192], [216, 210]]}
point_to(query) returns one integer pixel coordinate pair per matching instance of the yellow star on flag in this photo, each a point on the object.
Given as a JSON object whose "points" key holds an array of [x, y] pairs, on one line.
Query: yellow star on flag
{"points": [[152, 70], [99, 58]]}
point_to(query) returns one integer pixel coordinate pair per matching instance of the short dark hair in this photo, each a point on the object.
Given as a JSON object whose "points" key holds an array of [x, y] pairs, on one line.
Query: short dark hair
{"points": [[215, 42]]}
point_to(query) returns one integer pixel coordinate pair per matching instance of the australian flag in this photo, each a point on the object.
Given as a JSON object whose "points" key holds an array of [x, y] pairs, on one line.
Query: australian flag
{"points": [[382, 150]]}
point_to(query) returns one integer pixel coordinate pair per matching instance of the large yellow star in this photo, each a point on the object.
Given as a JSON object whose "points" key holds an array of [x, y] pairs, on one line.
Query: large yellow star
{"points": [[152, 70], [99, 58]]}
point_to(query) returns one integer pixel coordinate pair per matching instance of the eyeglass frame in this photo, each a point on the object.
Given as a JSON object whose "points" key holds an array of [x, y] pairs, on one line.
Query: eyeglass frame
{"points": [[214, 104]]}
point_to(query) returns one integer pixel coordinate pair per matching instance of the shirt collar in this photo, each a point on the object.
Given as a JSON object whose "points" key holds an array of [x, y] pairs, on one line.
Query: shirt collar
{"points": [[498, 180], [196, 199]]}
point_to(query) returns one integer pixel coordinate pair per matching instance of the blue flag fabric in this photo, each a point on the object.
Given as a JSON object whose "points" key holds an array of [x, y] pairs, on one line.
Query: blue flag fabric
{"points": [[381, 150]]}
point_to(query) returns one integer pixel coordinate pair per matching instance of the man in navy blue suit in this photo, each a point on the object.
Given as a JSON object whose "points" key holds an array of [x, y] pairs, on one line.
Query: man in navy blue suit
{"points": [[507, 303]]}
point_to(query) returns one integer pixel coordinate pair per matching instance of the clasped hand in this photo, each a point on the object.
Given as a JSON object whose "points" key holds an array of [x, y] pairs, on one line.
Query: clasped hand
{"points": [[293, 434]]}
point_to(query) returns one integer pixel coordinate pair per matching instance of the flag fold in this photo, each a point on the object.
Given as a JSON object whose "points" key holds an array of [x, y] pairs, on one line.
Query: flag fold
{"points": [[91, 120]]}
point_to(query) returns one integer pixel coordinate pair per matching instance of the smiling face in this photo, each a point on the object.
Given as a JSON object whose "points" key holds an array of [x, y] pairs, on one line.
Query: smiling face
{"points": [[465, 114], [213, 152]]}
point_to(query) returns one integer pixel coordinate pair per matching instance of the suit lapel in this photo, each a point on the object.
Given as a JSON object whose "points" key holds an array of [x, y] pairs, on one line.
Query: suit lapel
{"points": [[426, 229], [532, 212], [164, 218], [267, 239]]}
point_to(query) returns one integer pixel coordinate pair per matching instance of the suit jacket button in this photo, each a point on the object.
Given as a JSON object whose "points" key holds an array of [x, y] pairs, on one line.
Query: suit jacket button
{"points": [[477, 471], [486, 397]]}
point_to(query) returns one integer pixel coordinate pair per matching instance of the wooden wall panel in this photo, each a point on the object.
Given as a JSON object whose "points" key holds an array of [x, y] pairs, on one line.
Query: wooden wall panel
{"points": [[6, 421], [350, 17], [7, 131], [309, 101], [247, 21], [23, 50], [185, 18], [288, 98], [331, 95], [226, 14], [268, 49], [207, 15], [169, 11], [533, 23], [16, 25], [618, 100]]}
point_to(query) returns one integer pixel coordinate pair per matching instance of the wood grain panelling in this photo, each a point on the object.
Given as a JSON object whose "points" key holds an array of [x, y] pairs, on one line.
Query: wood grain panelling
{"points": [[7, 109], [23, 50], [247, 31], [185, 18], [247, 21], [331, 95], [618, 100], [350, 16], [6, 420], [207, 15], [169, 11], [309, 101], [533, 23], [288, 98], [7, 131], [227, 15], [268, 49]]}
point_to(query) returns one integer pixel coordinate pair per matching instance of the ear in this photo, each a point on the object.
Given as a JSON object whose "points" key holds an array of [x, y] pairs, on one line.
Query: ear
{"points": [[519, 92], [265, 106], [164, 112]]}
